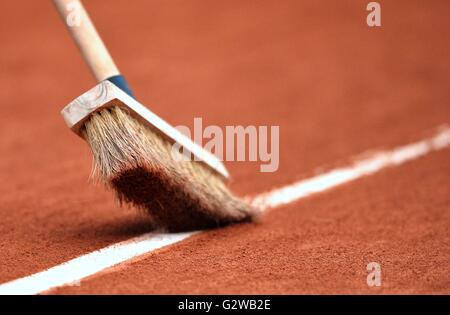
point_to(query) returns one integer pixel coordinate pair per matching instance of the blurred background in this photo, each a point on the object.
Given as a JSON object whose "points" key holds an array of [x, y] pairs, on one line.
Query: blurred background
{"points": [[313, 67]]}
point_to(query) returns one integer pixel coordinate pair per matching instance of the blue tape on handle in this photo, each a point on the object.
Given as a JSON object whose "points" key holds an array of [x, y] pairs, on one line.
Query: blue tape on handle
{"points": [[121, 83]]}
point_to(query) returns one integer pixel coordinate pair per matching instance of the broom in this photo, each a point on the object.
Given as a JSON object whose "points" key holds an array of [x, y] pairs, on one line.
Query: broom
{"points": [[136, 159]]}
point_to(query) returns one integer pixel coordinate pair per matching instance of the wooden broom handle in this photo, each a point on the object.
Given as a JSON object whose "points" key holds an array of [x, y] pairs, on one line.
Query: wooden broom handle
{"points": [[87, 39]]}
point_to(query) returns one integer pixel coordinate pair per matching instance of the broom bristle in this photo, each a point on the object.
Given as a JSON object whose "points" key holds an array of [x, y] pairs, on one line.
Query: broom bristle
{"points": [[138, 164]]}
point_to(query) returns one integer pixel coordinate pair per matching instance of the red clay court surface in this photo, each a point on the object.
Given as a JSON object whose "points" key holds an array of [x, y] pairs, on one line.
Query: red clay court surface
{"points": [[336, 88]]}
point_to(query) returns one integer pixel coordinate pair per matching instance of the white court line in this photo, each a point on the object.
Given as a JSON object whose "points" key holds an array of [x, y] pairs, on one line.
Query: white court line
{"points": [[367, 166], [89, 264]]}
